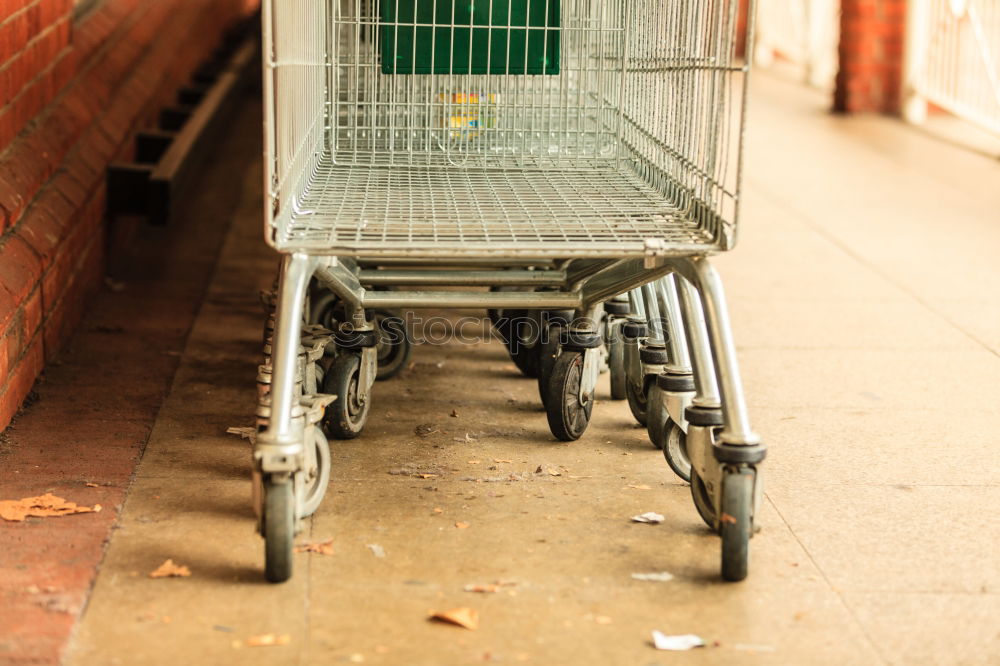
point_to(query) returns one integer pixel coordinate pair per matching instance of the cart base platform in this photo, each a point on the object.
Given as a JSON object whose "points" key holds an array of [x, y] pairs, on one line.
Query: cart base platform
{"points": [[435, 211]]}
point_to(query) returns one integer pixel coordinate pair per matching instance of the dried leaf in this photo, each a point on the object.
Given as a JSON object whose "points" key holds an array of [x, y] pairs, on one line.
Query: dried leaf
{"points": [[41, 506], [661, 577], [473, 462], [454, 414], [485, 589], [554, 472], [269, 640], [501, 460], [91, 485], [463, 617], [318, 547], [462, 526], [641, 486], [438, 509], [170, 570], [425, 429], [648, 517]]}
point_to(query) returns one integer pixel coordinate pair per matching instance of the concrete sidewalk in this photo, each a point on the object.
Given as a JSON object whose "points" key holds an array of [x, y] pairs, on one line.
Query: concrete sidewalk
{"points": [[864, 293]]}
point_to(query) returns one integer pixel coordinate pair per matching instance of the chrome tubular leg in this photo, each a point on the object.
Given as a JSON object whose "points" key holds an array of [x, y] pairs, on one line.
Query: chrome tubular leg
{"points": [[635, 301], [680, 357], [736, 429], [296, 270], [706, 389], [653, 319]]}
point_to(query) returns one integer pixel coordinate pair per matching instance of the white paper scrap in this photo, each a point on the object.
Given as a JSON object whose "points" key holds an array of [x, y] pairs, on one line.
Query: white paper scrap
{"points": [[661, 577], [648, 517], [377, 550], [677, 643]]}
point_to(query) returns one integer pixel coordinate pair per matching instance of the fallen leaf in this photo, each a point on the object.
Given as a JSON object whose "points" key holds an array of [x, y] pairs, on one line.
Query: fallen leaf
{"points": [[41, 506], [318, 547], [425, 429], [641, 486], [269, 640], [648, 517], [676, 643], [500, 460], [170, 570], [91, 485], [454, 414], [538, 470], [473, 462], [460, 525], [438, 509], [463, 617], [428, 476], [554, 472], [485, 589]]}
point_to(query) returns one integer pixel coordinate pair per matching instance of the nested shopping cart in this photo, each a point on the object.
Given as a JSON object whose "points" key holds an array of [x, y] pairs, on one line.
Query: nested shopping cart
{"points": [[529, 156]]}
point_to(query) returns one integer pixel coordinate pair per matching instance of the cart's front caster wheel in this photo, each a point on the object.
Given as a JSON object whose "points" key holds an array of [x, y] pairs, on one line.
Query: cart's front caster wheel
{"points": [[393, 344], [637, 403], [702, 500], [279, 530], [657, 418], [317, 479], [616, 364], [567, 412], [735, 523], [674, 445], [346, 416], [548, 353]]}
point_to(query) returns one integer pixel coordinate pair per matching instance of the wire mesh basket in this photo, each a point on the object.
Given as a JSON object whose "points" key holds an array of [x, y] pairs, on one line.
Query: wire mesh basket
{"points": [[541, 128]]}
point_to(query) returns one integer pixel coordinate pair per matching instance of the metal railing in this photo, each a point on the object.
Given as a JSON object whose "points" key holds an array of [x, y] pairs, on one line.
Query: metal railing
{"points": [[953, 60]]}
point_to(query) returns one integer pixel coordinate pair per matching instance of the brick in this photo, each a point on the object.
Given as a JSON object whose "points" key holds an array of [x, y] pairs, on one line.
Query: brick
{"points": [[20, 380], [20, 268], [42, 231]]}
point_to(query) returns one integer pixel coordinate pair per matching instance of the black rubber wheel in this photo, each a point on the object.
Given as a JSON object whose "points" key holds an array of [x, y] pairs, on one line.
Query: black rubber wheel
{"points": [[736, 523], [323, 310], [636, 396], [616, 364], [511, 327], [702, 500], [657, 418], [279, 530], [319, 478], [568, 416], [393, 346], [548, 352], [674, 445], [346, 416]]}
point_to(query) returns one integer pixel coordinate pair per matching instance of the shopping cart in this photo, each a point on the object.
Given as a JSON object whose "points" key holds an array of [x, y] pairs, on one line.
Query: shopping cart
{"points": [[558, 153]]}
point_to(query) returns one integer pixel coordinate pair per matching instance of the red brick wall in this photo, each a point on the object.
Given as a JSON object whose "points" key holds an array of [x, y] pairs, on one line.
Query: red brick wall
{"points": [[872, 34], [72, 93]]}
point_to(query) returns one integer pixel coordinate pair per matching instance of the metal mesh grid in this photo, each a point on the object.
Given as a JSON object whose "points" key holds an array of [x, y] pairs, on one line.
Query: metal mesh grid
{"points": [[634, 140]]}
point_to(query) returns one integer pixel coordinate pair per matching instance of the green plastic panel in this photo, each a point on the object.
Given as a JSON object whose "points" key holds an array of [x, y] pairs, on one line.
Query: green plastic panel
{"points": [[470, 37]]}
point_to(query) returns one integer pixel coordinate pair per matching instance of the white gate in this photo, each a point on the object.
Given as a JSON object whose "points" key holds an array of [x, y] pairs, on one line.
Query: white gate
{"points": [[953, 60], [801, 32]]}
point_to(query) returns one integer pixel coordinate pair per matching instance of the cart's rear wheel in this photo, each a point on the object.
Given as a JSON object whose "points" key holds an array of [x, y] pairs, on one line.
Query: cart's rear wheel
{"points": [[318, 479], [674, 445], [657, 418], [702, 500], [346, 416], [567, 413], [393, 344], [279, 530], [511, 326], [636, 396], [616, 364], [735, 523]]}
